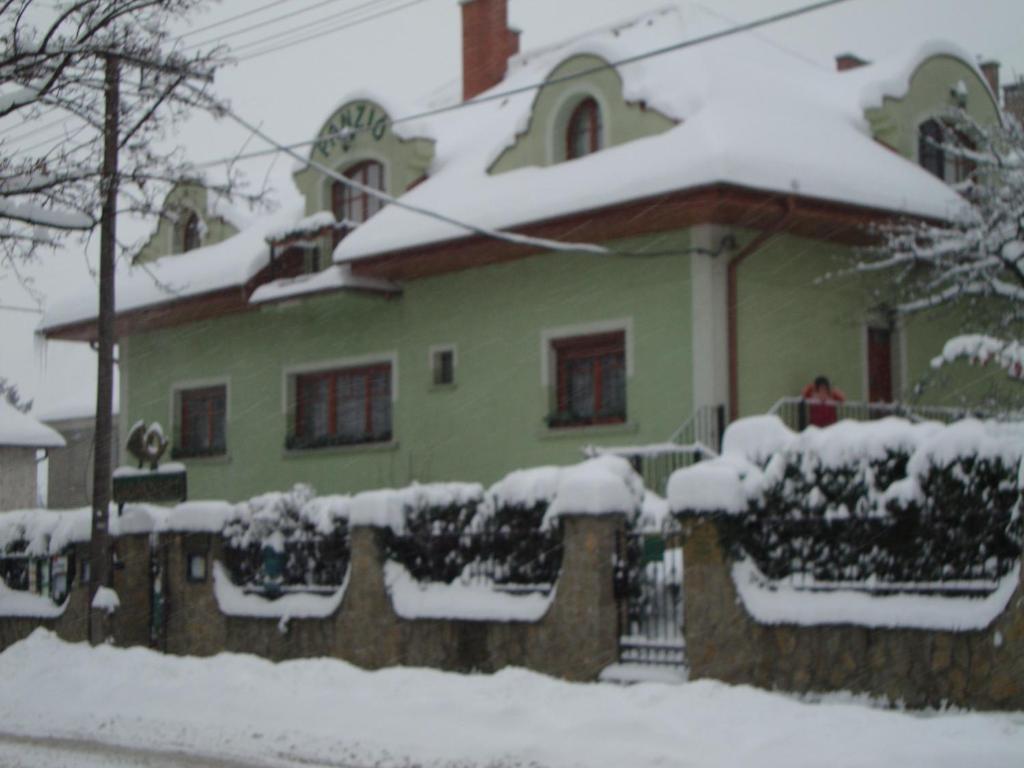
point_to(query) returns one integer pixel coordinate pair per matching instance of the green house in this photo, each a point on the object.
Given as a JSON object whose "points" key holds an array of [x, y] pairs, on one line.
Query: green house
{"points": [[585, 254]]}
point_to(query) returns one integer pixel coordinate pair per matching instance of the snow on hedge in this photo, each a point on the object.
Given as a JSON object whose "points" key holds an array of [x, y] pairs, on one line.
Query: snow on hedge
{"points": [[720, 485], [387, 508], [771, 602], [413, 599]]}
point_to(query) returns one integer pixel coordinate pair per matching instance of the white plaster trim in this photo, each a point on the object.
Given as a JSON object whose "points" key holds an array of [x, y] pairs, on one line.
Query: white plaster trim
{"points": [[337, 364], [548, 335], [186, 384], [555, 138]]}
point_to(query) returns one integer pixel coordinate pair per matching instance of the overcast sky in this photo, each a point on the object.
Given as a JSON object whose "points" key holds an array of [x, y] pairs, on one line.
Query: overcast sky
{"points": [[413, 53]]}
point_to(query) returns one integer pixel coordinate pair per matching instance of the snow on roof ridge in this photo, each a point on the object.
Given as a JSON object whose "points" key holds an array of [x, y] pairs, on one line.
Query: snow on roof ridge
{"points": [[208, 268], [21, 430], [526, 58], [891, 75]]}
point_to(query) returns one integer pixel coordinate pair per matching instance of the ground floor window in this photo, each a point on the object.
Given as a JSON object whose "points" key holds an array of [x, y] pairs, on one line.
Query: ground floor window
{"points": [[202, 418], [342, 407], [590, 380]]}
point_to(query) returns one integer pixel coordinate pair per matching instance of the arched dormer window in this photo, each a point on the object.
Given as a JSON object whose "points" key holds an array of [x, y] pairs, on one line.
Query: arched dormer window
{"points": [[584, 132], [191, 232], [932, 139], [354, 205], [930, 154]]}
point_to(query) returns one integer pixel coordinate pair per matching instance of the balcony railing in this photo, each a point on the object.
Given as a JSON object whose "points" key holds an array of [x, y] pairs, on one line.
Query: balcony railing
{"points": [[795, 411], [655, 463]]}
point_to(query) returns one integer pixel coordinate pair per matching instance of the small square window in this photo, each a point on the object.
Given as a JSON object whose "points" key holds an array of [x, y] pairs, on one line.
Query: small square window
{"points": [[196, 567], [86, 570], [442, 363]]}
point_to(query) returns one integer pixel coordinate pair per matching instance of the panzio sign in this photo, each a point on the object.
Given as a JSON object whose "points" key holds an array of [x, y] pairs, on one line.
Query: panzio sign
{"points": [[351, 121]]}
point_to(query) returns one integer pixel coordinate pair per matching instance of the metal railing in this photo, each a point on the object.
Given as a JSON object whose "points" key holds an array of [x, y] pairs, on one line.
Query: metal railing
{"points": [[795, 412], [705, 426], [656, 462]]}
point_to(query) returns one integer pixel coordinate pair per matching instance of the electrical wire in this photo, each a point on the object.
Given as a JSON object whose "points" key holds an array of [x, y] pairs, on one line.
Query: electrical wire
{"points": [[332, 30], [504, 94]]}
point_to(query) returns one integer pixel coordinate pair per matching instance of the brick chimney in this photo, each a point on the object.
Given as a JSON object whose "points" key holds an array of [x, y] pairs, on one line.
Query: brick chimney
{"points": [[845, 61], [487, 44], [990, 69]]}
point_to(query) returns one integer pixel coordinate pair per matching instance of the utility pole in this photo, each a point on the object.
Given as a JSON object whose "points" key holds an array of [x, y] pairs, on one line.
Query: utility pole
{"points": [[100, 563]]}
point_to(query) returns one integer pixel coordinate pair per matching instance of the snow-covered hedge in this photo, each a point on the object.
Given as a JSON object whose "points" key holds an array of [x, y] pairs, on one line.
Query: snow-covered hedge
{"points": [[510, 534], [888, 502], [288, 539]]}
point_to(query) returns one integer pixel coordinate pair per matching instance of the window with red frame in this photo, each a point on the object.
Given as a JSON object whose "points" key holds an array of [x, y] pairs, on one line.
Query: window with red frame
{"points": [[202, 417], [354, 205], [583, 136], [342, 407], [590, 380]]}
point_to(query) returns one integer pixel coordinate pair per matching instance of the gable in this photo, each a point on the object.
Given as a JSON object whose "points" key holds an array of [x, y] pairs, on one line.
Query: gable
{"points": [[939, 83], [361, 130], [543, 142], [185, 198]]}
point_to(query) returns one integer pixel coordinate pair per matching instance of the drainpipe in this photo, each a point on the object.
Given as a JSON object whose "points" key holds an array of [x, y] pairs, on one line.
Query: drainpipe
{"points": [[732, 302]]}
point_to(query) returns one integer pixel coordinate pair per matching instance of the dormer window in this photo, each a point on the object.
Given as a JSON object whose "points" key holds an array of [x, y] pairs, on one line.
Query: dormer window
{"points": [[932, 138], [583, 135], [930, 154], [354, 205], [191, 234]]}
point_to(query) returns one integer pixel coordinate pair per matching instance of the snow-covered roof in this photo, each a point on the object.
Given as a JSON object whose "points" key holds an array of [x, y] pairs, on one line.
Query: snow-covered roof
{"points": [[226, 264], [748, 114], [21, 430]]}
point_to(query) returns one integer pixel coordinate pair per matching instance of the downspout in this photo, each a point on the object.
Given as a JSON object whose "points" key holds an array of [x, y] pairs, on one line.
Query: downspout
{"points": [[732, 301]]}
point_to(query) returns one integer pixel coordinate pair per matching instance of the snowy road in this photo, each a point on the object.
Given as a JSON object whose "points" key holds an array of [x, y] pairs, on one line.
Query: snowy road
{"points": [[243, 710], [29, 752]]}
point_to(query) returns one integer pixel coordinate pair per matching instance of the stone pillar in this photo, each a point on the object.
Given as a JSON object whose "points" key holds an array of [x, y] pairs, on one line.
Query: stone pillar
{"points": [[579, 635], [368, 631]]}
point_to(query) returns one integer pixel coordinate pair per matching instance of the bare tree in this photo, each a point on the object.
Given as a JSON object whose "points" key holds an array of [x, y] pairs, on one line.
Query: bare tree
{"points": [[974, 261], [52, 74], [114, 76]]}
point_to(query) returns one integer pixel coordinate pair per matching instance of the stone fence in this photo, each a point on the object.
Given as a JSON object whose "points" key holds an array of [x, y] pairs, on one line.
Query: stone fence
{"points": [[575, 639], [982, 669]]}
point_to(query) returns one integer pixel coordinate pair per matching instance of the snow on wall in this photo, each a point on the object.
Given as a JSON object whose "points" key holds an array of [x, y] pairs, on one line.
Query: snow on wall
{"points": [[233, 600], [775, 603], [16, 603], [473, 602]]}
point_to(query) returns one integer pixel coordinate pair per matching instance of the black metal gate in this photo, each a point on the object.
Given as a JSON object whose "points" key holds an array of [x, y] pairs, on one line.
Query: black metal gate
{"points": [[649, 590]]}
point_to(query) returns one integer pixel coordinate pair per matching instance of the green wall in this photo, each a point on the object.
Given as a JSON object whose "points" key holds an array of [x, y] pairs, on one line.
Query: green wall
{"points": [[791, 327], [490, 422]]}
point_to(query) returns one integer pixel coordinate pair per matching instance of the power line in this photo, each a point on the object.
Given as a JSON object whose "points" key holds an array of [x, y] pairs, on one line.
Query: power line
{"points": [[222, 22], [331, 31], [500, 95], [12, 308], [266, 23]]}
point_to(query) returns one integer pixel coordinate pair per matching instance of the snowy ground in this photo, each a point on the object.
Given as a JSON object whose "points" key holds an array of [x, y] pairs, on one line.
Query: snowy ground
{"points": [[235, 709]]}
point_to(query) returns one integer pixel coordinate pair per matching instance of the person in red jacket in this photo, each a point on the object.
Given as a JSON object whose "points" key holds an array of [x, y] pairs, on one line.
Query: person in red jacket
{"points": [[822, 399]]}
